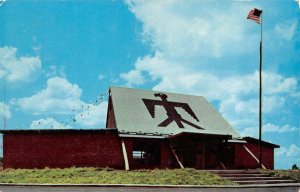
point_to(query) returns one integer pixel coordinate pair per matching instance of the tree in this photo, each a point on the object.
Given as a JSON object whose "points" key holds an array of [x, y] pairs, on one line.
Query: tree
{"points": [[295, 166]]}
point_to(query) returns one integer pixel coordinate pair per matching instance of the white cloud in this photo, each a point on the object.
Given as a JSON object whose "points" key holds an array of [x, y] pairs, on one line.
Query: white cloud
{"points": [[286, 30], [292, 151], [287, 156], [271, 103], [49, 123], [1, 2], [133, 77], [189, 39], [5, 111], [18, 68], [275, 128], [275, 83], [182, 30], [56, 71], [298, 1], [92, 115], [281, 151], [238, 95], [59, 97], [250, 130], [178, 77], [101, 77]]}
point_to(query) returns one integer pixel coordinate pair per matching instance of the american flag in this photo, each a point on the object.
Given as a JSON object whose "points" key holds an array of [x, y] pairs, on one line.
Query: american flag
{"points": [[255, 15]]}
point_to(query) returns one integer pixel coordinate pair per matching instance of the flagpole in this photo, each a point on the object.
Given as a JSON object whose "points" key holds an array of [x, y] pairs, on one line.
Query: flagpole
{"points": [[260, 94]]}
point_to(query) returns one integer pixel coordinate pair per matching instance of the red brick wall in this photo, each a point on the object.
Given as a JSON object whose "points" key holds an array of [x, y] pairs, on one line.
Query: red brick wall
{"points": [[165, 156], [110, 119], [96, 149], [244, 160], [37, 150]]}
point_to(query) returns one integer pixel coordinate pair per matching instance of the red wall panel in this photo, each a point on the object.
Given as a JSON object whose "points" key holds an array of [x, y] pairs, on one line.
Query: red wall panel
{"points": [[34, 150], [244, 160], [165, 156], [55, 149]]}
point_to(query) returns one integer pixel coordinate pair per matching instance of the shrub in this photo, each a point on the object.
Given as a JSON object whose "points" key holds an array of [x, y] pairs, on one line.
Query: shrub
{"points": [[295, 166]]}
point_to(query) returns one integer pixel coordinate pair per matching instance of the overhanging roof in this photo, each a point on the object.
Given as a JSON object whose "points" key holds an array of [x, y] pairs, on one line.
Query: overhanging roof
{"points": [[197, 136], [256, 141], [142, 112]]}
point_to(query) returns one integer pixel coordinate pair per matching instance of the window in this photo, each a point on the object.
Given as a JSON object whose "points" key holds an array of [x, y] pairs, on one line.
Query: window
{"points": [[138, 154], [146, 154]]}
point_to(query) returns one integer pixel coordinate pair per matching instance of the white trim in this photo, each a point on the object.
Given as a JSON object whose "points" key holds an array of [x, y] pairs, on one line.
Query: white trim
{"points": [[253, 156], [236, 141], [125, 155], [143, 136]]}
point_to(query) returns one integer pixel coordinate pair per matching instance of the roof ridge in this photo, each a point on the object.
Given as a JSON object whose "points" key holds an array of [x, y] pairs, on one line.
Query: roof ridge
{"points": [[148, 90]]}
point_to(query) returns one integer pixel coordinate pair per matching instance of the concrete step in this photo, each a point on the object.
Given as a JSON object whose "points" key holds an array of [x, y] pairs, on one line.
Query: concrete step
{"points": [[238, 171], [265, 182], [252, 178], [243, 175]]}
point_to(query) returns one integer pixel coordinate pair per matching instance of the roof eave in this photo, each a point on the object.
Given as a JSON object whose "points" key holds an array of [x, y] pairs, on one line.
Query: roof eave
{"points": [[249, 139]]}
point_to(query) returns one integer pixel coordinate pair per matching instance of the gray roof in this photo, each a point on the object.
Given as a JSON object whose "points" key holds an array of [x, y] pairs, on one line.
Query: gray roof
{"points": [[140, 112]]}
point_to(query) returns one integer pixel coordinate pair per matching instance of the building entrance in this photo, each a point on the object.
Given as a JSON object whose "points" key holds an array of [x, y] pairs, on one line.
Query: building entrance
{"points": [[203, 153]]}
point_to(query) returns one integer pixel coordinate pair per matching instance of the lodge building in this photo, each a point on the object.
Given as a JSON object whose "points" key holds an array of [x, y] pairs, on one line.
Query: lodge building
{"points": [[144, 129]]}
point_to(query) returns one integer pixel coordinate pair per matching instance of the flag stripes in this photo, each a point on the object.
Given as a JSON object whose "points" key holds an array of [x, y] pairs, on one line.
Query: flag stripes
{"points": [[254, 15]]}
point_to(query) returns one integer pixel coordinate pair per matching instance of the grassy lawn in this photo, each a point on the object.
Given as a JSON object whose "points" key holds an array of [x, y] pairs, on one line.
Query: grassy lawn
{"points": [[289, 174], [110, 176]]}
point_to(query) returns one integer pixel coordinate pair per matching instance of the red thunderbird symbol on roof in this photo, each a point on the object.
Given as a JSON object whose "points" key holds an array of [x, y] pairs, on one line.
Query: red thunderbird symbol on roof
{"points": [[171, 111]]}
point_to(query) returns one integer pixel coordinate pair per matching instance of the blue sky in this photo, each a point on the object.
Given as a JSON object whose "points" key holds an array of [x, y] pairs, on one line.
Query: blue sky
{"points": [[58, 59]]}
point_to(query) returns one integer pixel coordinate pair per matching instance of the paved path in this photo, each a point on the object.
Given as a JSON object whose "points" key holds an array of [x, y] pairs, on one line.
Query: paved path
{"points": [[142, 189]]}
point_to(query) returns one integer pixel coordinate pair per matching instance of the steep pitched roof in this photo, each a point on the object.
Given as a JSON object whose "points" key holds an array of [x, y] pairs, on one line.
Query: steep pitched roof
{"points": [[154, 113]]}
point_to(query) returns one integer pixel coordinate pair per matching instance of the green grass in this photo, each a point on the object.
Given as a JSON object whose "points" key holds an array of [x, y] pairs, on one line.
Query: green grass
{"points": [[289, 174], [110, 176]]}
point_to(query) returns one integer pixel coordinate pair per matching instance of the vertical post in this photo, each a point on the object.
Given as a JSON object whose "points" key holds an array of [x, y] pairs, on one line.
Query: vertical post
{"points": [[260, 94], [204, 156], [176, 157], [125, 155]]}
